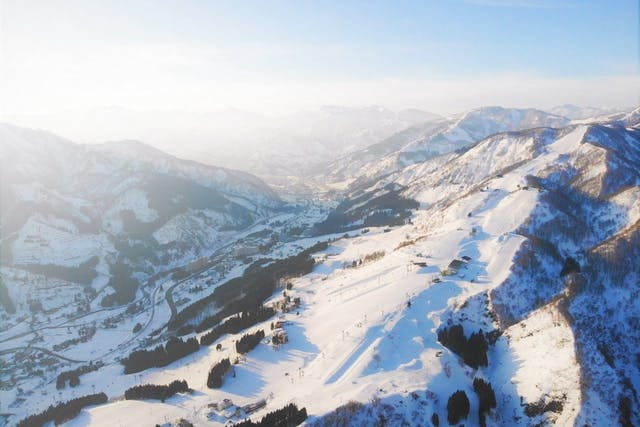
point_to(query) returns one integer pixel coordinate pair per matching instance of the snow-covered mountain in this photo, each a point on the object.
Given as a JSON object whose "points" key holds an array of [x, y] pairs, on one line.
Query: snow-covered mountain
{"points": [[575, 112], [548, 220], [89, 211], [495, 284], [420, 143]]}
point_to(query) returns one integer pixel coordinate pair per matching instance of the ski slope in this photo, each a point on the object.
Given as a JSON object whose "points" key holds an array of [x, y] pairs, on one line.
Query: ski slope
{"points": [[356, 337]]}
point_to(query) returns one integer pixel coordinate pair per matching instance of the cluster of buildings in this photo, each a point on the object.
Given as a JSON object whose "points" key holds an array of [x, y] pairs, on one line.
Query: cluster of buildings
{"points": [[229, 410]]}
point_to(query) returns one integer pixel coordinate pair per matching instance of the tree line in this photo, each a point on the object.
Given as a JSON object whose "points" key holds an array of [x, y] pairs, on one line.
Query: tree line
{"points": [[487, 398], [154, 391], [217, 372], [173, 350], [237, 323], [63, 411], [249, 291], [368, 210], [249, 341], [289, 416], [243, 295]]}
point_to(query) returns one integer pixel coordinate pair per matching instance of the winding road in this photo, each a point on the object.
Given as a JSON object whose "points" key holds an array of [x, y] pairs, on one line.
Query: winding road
{"points": [[44, 350], [152, 298]]}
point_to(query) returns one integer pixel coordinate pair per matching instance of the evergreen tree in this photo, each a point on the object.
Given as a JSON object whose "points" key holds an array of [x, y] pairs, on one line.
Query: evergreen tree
{"points": [[486, 397], [435, 420], [472, 351], [476, 350], [217, 372], [457, 407]]}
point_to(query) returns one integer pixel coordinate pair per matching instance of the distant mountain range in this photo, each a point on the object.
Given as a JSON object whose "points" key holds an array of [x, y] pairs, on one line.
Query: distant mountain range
{"points": [[272, 147], [299, 145], [282, 149], [575, 112], [436, 137]]}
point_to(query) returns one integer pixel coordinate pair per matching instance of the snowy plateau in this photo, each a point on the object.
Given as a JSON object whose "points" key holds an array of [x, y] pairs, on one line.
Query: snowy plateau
{"points": [[480, 269]]}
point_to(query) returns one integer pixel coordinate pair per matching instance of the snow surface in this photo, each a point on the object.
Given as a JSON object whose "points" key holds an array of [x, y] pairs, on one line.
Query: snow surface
{"points": [[355, 336], [57, 242], [368, 332]]}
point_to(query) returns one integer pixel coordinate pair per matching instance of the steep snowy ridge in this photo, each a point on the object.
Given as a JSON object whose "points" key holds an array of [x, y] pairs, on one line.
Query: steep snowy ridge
{"points": [[632, 119], [437, 138], [564, 191], [588, 197]]}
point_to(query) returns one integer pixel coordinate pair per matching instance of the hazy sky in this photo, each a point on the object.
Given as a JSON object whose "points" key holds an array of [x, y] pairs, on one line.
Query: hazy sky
{"points": [[275, 56]]}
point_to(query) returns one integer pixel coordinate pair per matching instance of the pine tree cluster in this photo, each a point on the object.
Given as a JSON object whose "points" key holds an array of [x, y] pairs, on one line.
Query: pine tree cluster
{"points": [[217, 372], [249, 291], [63, 411], [73, 376], [237, 323], [457, 407], [571, 266], [249, 341], [473, 350], [486, 396], [159, 392], [173, 350], [289, 416]]}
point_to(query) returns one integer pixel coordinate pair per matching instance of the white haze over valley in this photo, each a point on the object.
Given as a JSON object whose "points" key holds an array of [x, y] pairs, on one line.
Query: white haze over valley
{"points": [[245, 140]]}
